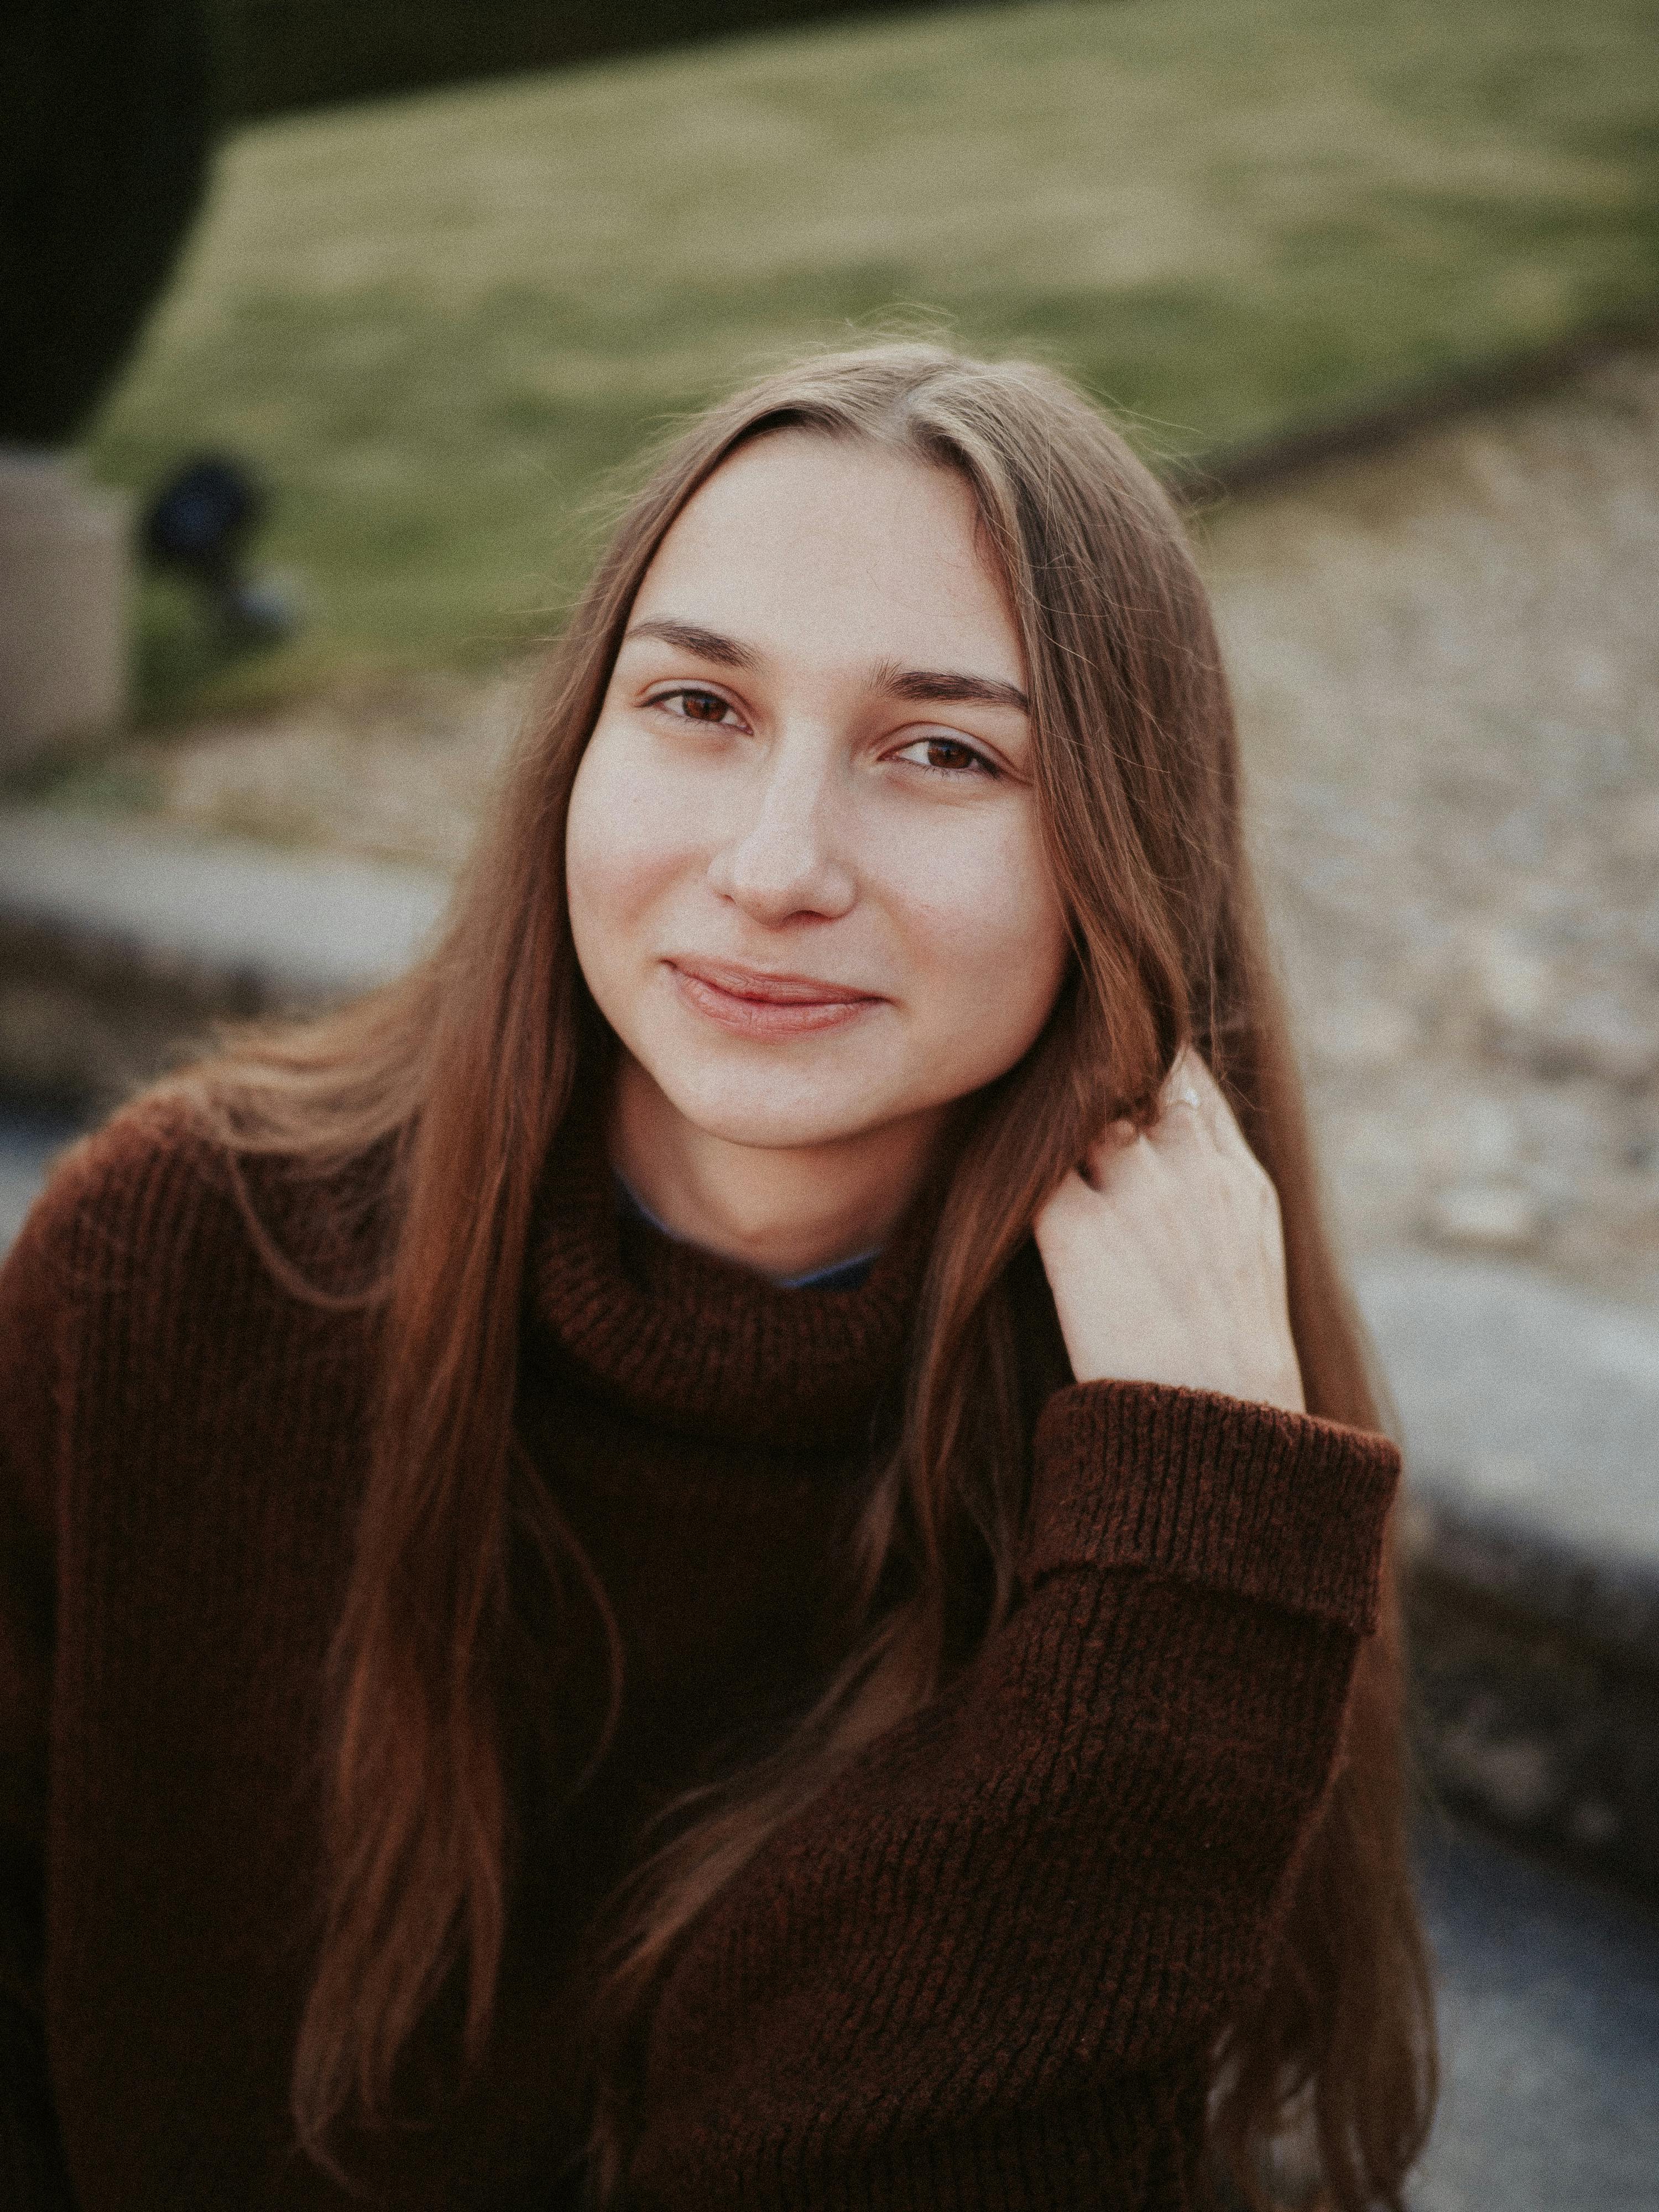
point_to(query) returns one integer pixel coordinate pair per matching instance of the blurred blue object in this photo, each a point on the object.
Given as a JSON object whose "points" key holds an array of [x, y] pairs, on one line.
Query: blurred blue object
{"points": [[30, 1139], [199, 526]]}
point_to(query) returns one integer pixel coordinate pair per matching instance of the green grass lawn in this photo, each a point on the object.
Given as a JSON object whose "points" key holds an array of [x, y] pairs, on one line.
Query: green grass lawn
{"points": [[435, 323]]}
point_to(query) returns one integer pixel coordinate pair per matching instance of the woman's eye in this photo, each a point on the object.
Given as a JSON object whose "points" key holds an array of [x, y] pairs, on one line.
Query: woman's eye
{"points": [[694, 706], [947, 757]]}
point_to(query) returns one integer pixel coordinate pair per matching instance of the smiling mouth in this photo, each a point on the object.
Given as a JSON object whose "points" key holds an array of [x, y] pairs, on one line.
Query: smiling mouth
{"points": [[752, 1003]]}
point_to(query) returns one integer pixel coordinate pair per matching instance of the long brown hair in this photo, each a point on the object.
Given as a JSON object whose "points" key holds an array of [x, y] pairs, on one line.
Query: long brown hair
{"points": [[455, 1083]]}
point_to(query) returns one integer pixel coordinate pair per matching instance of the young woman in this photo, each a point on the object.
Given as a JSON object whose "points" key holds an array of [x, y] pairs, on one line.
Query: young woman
{"points": [[728, 1550]]}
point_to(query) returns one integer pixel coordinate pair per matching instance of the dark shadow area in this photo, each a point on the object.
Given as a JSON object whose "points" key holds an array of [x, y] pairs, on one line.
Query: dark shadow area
{"points": [[1550, 2035]]}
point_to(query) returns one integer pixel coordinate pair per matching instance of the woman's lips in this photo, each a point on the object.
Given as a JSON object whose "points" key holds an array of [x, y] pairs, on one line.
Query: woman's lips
{"points": [[753, 1005]]}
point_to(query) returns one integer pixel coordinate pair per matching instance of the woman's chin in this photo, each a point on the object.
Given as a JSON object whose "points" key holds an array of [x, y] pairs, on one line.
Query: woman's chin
{"points": [[780, 1118]]}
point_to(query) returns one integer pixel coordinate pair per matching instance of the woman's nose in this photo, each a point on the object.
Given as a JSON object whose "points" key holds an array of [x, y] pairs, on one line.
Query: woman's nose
{"points": [[786, 859]]}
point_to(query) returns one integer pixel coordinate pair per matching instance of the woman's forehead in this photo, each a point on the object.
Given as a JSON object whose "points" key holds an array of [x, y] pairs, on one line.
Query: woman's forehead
{"points": [[845, 541]]}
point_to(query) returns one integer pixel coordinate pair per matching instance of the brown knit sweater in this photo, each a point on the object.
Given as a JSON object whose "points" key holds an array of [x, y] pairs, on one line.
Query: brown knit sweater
{"points": [[983, 1971]]}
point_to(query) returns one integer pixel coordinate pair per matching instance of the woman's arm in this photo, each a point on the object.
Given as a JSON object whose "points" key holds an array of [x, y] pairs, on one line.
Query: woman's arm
{"points": [[988, 1966], [34, 1325]]}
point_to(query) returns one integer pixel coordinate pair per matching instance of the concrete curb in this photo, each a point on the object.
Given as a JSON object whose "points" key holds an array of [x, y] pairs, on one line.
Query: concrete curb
{"points": [[1531, 1412], [119, 947]]}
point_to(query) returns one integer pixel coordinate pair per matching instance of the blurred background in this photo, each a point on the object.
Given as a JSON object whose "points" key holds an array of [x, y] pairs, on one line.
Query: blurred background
{"points": [[323, 333]]}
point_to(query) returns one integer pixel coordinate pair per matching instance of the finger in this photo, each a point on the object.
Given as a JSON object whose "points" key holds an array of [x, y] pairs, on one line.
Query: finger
{"points": [[1181, 1084], [1190, 1078], [1116, 1138], [1069, 1209], [1184, 1113]]}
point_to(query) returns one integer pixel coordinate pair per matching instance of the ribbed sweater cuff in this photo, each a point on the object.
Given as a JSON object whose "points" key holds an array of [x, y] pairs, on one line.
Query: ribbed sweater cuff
{"points": [[1241, 1497]]}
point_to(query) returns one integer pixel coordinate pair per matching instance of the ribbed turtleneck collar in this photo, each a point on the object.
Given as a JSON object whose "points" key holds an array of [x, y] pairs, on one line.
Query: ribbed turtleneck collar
{"points": [[702, 1345]]}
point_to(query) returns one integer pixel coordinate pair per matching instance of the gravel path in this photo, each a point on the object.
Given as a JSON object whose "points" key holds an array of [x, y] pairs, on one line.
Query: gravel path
{"points": [[1448, 672]]}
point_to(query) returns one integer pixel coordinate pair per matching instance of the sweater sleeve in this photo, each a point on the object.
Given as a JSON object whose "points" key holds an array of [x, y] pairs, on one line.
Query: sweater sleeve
{"points": [[34, 1329], [986, 1966]]}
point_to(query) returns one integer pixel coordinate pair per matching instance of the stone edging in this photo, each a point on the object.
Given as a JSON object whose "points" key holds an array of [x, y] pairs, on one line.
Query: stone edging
{"points": [[1206, 479]]}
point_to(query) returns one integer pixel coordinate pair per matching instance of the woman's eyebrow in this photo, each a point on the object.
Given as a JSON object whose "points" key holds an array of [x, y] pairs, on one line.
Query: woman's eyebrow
{"points": [[949, 686], [941, 686], [692, 637]]}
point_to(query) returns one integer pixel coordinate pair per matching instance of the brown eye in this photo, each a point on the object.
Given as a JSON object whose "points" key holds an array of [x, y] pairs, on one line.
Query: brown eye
{"points": [[690, 705], [948, 757], [945, 752], [704, 706]]}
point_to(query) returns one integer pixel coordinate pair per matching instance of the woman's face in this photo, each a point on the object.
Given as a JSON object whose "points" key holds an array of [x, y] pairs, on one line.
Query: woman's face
{"points": [[807, 878]]}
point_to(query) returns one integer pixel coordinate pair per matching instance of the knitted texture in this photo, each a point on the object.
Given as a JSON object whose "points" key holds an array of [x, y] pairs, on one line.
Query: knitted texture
{"points": [[984, 1969]]}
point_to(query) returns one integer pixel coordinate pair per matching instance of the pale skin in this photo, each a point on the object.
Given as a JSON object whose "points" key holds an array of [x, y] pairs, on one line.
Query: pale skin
{"points": [[809, 892]]}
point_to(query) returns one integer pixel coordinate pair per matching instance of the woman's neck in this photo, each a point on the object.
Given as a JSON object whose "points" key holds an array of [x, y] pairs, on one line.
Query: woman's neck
{"points": [[784, 1211]]}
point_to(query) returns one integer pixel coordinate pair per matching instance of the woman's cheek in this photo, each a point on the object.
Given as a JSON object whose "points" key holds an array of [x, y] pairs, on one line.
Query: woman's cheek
{"points": [[1031, 919], [626, 840], [993, 934]]}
